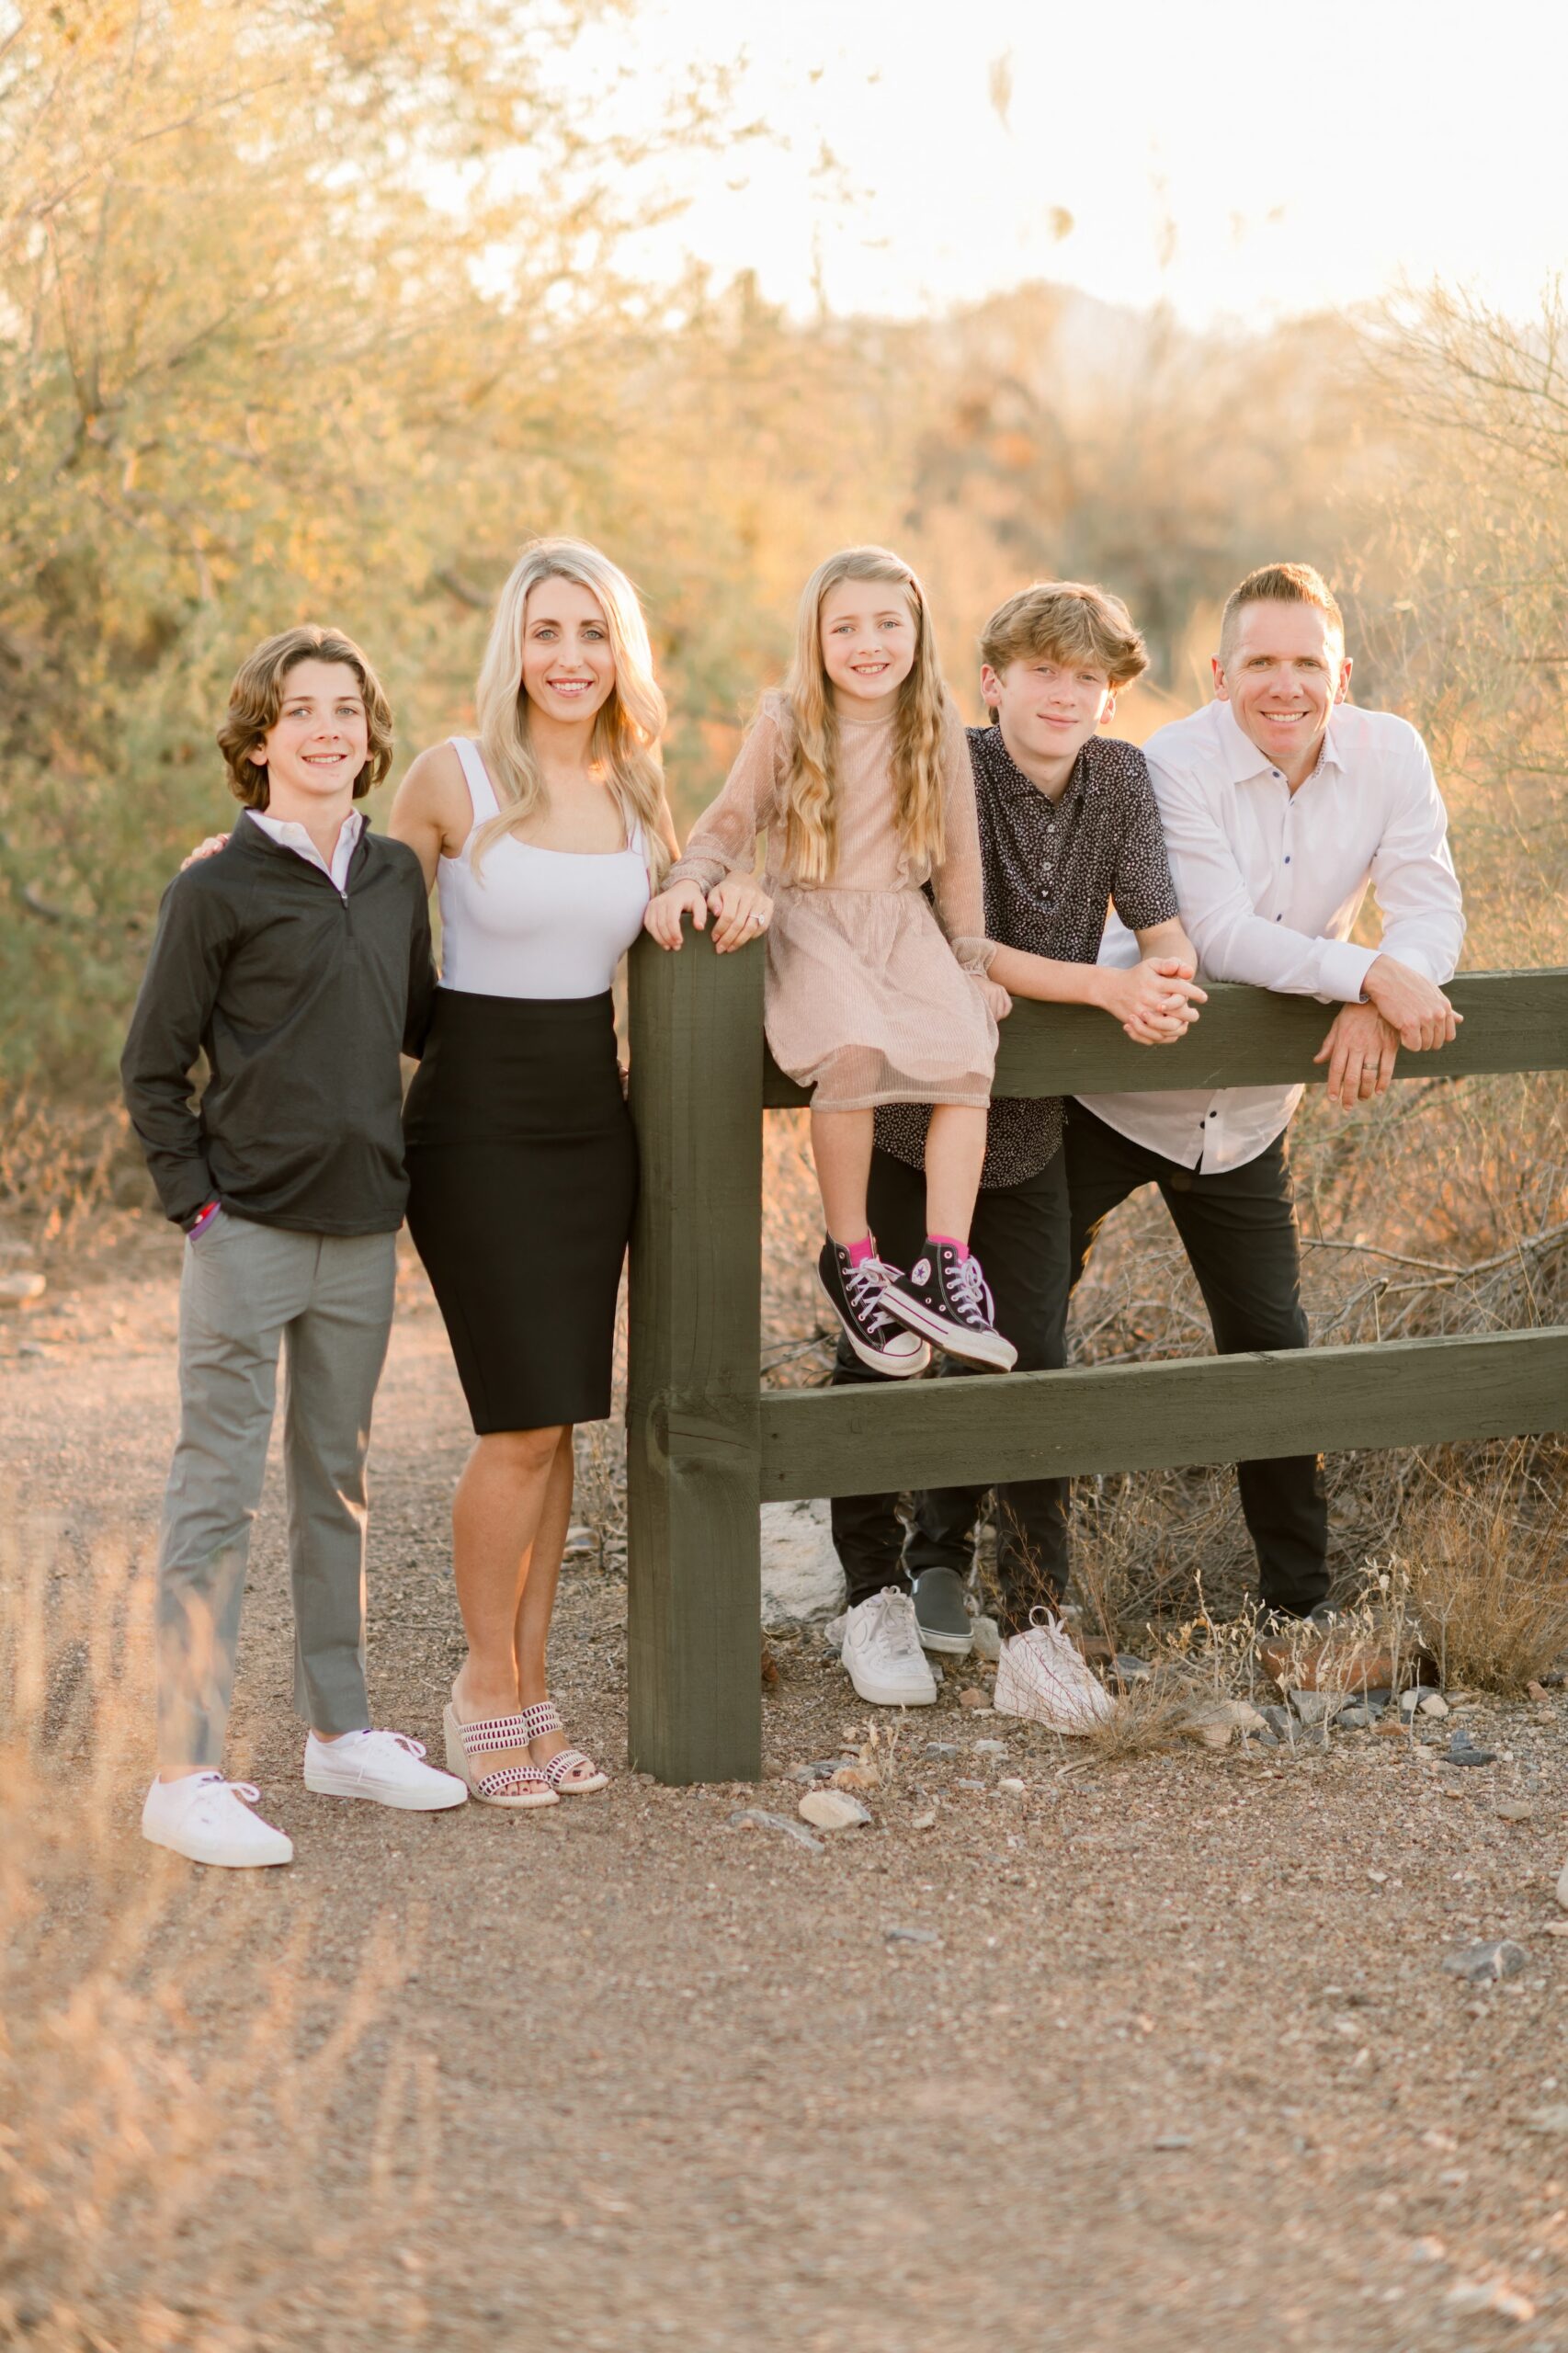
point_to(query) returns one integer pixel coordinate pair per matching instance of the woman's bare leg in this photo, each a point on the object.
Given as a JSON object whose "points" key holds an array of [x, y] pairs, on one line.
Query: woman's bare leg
{"points": [[841, 1147], [537, 1604], [496, 1512], [955, 1149]]}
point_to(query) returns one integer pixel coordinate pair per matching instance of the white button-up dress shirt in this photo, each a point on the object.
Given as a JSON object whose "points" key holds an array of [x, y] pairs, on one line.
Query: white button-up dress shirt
{"points": [[293, 836], [1270, 882]]}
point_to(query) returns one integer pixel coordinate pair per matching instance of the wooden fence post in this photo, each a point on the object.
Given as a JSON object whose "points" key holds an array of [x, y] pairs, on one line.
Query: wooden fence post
{"points": [[692, 1456]]}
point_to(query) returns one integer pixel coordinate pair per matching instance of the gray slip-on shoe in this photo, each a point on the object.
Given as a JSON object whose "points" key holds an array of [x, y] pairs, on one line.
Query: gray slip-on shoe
{"points": [[944, 1624]]}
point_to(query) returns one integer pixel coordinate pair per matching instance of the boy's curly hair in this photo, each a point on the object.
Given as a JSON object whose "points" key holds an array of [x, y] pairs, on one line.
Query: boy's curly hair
{"points": [[257, 698]]}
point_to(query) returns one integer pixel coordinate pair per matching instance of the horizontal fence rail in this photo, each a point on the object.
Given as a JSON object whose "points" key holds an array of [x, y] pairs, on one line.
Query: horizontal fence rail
{"points": [[1153, 1416], [1513, 1021], [705, 1445]]}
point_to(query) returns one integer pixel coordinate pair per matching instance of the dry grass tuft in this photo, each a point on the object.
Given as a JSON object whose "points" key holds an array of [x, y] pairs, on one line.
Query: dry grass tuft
{"points": [[1150, 1716], [1486, 1558], [161, 2055]]}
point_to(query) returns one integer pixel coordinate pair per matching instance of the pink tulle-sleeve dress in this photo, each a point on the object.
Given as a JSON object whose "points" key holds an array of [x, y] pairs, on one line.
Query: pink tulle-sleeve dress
{"points": [[871, 996]]}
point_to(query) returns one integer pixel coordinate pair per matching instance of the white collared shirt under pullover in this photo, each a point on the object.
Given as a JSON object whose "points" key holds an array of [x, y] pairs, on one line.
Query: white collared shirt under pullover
{"points": [[1270, 882], [293, 836]]}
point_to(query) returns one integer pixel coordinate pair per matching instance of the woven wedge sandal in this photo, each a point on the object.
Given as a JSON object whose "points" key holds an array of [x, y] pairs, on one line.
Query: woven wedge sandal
{"points": [[545, 1716], [514, 1786]]}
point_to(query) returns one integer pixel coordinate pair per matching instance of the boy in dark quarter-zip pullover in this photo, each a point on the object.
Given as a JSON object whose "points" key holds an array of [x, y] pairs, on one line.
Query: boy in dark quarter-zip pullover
{"points": [[297, 958], [300, 994]]}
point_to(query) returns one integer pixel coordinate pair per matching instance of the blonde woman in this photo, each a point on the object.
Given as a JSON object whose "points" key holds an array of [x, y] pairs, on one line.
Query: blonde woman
{"points": [[858, 773], [543, 838]]}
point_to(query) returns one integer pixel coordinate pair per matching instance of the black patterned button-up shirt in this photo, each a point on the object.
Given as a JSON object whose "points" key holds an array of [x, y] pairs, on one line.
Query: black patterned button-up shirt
{"points": [[1051, 868]]}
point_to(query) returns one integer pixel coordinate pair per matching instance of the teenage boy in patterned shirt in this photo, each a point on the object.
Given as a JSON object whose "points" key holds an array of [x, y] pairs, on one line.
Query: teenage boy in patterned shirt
{"points": [[1067, 823]]}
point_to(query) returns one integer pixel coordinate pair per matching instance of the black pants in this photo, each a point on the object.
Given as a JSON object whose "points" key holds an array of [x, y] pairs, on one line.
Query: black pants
{"points": [[1238, 1228], [1021, 1236]]}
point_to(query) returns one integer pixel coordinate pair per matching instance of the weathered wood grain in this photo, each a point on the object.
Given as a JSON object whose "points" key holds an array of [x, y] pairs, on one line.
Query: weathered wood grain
{"points": [[1252, 1038], [940, 1432], [694, 1558]]}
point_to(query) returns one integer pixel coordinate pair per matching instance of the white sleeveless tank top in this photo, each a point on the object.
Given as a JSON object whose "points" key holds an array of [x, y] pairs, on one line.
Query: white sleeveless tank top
{"points": [[536, 923]]}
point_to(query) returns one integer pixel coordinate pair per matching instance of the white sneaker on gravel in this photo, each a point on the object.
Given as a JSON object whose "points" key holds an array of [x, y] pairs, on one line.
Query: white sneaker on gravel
{"points": [[881, 1652], [386, 1767], [1041, 1676], [209, 1819]]}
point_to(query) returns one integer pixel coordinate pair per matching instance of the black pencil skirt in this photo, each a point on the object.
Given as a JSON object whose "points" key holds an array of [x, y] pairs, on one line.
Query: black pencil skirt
{"points": [[522, 1166]]}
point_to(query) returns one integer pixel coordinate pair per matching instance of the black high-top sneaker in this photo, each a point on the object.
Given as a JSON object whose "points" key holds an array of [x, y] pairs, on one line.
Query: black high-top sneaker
{"points": [[944, 1297], [854, 1295]]}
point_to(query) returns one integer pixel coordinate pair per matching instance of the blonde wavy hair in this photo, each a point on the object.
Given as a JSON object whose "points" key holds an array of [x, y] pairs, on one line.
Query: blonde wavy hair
{"points": [[627, 728], [809, 787]]}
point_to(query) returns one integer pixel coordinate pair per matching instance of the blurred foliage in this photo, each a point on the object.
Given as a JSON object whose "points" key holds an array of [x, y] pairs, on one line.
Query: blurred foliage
{"points": [[318, 309]]}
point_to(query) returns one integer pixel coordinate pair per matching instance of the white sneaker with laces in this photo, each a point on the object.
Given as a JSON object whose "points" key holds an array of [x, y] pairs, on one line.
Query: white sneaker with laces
{"points": [[209, 1819], [882, 1653], [1041, 1676], [386, 1767]]}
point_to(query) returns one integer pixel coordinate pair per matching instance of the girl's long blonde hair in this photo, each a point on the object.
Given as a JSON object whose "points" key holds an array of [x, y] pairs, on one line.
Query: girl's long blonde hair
{"points": [[809, 787], [627, 728]]}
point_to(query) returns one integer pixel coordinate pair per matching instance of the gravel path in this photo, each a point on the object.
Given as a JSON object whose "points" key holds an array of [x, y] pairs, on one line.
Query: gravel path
{"points": [[1164, 2056]]}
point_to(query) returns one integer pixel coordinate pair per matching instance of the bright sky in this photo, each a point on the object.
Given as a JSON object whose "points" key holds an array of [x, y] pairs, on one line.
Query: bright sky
{"points": [[1242, 162]]}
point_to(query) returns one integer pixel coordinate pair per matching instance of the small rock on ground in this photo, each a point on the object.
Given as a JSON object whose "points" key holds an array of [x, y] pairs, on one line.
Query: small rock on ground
{"points": [[832, 1810], [1484, 1964], [1462, 1751], [753, 1817]]}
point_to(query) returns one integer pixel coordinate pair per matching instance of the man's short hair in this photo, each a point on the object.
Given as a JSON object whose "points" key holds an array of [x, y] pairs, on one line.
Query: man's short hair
{"points": [[1277, 584], [257, 698], [1066, 620]]}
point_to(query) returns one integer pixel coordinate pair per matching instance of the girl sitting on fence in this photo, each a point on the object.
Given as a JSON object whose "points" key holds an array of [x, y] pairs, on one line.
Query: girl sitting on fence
{"points": [[859, 774]]}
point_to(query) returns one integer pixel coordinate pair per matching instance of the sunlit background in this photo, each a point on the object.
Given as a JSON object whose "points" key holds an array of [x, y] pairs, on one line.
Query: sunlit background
{"points": [[320, 308], [1239, 163]]}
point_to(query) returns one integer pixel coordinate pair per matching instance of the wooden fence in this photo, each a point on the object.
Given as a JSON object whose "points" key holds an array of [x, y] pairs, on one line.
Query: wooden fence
{"points": [[705, 1445]]}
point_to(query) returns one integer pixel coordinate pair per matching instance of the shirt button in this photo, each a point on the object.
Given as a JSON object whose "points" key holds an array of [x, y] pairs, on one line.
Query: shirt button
{"points": [[1213, 1114], [1287, 858]]}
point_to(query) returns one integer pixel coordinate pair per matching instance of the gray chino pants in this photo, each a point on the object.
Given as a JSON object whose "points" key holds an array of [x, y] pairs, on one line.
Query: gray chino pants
{"points": [[246, 1291]]}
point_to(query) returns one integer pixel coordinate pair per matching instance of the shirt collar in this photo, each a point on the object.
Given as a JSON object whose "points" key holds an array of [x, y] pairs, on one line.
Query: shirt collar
{"points": [[1243, 761], [288, 829], [1005, 771]]}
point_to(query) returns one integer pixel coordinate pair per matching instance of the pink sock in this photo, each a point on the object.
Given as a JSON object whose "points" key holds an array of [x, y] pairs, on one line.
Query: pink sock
{"points": [[861, 1251], [952, 1242]]}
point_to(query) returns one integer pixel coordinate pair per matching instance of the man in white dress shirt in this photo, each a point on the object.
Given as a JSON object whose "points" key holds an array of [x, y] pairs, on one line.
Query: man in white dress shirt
{"points": [[1280, 803]]}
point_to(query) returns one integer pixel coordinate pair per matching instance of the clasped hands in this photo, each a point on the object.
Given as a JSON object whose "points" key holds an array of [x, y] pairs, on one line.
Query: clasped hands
{"points": [[1155, 1001], [1362, 1046]]}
